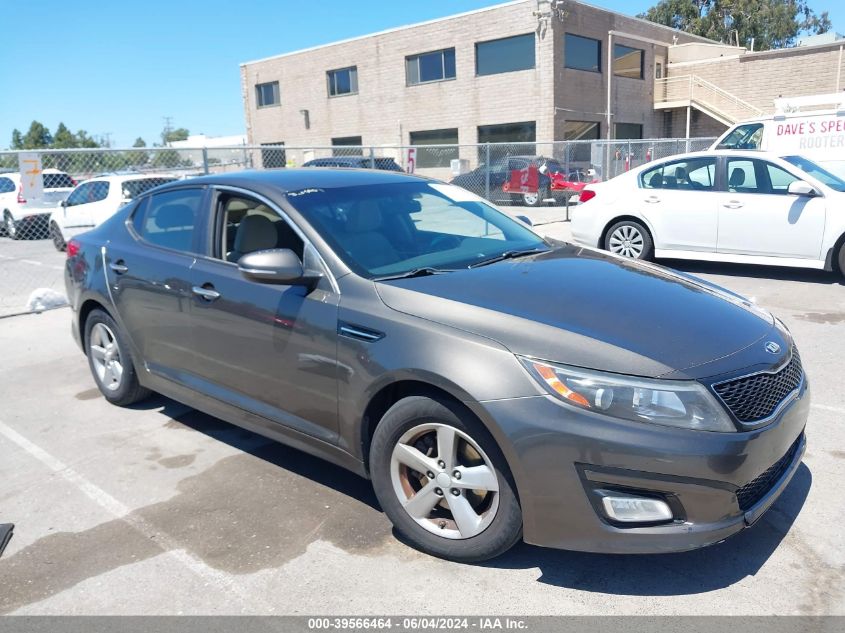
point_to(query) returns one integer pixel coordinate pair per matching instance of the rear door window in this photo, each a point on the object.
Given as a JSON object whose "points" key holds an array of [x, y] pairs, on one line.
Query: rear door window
{"points": [[692, 174], [170, 219]]}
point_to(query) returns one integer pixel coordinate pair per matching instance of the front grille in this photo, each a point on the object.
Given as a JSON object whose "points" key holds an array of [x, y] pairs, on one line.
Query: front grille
{"points": [[756, 489], [756, 397]]}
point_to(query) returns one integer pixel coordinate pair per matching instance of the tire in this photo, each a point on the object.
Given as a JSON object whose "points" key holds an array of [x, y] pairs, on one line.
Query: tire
{"points": [[535, 199], [56, 236], [840, 259], [105, 343], [490, 520], [630, 239], [11, 226]]}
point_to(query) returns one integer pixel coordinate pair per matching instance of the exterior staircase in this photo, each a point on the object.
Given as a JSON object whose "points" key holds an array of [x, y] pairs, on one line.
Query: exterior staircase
{"points": [[693, 91]]}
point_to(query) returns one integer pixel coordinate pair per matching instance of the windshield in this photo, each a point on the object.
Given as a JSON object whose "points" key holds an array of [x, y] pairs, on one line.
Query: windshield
{"points": [[392, 229], [817, 171], [743, 137]]}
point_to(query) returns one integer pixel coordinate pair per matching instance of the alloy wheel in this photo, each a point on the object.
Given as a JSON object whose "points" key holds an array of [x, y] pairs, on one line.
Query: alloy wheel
{"points": [[531, 199], [626, 240], [105, 356], [444, 481]]}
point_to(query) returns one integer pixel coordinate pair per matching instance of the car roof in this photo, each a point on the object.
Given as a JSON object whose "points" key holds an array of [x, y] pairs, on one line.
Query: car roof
{"points": [[294, 179], [127, 177]]}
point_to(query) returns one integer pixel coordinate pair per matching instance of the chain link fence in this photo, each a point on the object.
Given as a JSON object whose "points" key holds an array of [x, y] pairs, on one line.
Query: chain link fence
{"points": [[79, 188]]}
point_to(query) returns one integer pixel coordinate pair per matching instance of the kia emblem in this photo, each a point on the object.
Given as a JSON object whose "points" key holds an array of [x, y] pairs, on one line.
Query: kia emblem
{"points": [[772, 347]]}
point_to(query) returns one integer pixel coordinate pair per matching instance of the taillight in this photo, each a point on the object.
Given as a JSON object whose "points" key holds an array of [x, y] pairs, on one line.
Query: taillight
{"points": [[21, 199], [587, 194], [73, 180], [72, 248]]}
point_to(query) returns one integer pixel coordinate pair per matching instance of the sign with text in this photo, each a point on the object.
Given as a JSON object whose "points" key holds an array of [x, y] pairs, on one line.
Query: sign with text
{"points": [[525, 180], [32, 182]]}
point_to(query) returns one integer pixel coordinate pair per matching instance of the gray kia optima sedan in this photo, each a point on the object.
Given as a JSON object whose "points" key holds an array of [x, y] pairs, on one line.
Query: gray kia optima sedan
{"points": [[492, 384]]}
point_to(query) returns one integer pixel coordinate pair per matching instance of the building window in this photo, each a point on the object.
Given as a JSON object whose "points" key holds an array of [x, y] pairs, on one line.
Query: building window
{"points": [[343, 81], [435, 66], [273, 158], [435, 156], [581, 53], [505, 55], [580, 131], [628, 131], [517, 138], [627, 61], [267, 94], [347, 146]]}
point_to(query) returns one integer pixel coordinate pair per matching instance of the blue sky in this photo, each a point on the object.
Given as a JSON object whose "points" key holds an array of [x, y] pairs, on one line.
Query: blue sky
{"points": [[118, 68]]}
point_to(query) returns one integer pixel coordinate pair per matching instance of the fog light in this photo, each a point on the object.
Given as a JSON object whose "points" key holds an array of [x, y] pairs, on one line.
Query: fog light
{"points": [[630, 509]]}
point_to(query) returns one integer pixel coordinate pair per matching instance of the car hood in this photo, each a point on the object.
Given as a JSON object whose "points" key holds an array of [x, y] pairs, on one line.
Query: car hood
{"points": [[589, 309]]}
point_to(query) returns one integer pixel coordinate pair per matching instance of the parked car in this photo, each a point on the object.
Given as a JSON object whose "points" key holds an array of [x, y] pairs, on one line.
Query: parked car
{"points": [[568, 187], [94, 200], [493, 385], [354, 162], [24, 218], [727, 206], [500, 173]]}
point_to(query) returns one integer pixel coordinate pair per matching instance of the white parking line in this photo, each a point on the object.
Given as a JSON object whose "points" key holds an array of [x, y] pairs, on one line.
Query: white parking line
{"points": [[825, 407], [168, 544], [31, 261]]}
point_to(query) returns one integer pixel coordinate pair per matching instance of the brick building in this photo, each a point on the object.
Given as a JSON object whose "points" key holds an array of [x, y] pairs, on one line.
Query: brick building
{"points": [[527, 70]]}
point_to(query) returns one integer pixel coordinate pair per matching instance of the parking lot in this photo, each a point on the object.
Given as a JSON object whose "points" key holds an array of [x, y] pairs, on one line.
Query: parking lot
{"points": [[159, 509]]}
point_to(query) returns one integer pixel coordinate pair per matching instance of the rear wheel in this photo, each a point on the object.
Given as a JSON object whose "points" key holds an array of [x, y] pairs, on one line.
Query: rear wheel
{"points": [[629, 238], [536, 198], [11, 226], [443, 482], [110, 361], [56, 236]]}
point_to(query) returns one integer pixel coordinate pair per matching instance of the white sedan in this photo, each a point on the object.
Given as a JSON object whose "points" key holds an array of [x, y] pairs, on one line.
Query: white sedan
{"points": [[728, 206], [96, 200]]}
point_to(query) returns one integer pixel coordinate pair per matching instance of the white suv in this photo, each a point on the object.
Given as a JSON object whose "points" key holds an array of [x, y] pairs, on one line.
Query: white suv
{"points": [[22, 218], [96, 200]]}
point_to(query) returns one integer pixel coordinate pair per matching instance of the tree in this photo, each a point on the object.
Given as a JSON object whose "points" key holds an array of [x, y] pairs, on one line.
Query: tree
{"points": [[37, 137], [64, 138], [770, 23], [17, 139], [179, 134], [139, 142]]}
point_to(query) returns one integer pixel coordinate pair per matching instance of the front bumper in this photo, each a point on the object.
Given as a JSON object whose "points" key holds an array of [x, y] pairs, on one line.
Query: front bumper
{"points": [[560, 456]]}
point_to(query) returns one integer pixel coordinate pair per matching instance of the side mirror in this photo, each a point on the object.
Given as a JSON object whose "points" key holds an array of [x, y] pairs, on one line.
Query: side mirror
{"points": [[525, 219], [276, 266], [801, 188], [63, 203]]}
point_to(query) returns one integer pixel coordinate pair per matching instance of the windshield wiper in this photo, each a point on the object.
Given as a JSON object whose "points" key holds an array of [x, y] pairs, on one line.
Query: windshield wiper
{"points": [[416, 272], [509, 255]]}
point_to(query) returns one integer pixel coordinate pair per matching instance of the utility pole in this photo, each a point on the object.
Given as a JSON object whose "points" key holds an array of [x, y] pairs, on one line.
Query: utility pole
{"points": [[167, 129]]}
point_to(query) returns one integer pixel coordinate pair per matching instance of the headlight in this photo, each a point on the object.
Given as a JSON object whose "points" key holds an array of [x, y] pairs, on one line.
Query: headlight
{"points": [[684, 404]]}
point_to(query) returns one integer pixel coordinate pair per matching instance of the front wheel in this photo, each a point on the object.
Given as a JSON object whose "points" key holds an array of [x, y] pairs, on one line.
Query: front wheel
{"points": [[56, 236], [629, 239], [110, 361], [443, 482]]}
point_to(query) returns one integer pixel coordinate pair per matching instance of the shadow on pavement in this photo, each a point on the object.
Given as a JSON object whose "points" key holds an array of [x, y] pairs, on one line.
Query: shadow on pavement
{"points": [[778, 273]]}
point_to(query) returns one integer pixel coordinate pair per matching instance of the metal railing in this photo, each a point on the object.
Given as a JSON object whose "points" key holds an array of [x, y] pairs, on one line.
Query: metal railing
{"points": [[32, 233], [692, 90]]}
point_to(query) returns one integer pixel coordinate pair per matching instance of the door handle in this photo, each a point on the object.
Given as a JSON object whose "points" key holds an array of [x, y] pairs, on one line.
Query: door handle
{"points": [[209, 294], [652, 199], [119, 267], [733, 204]]}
